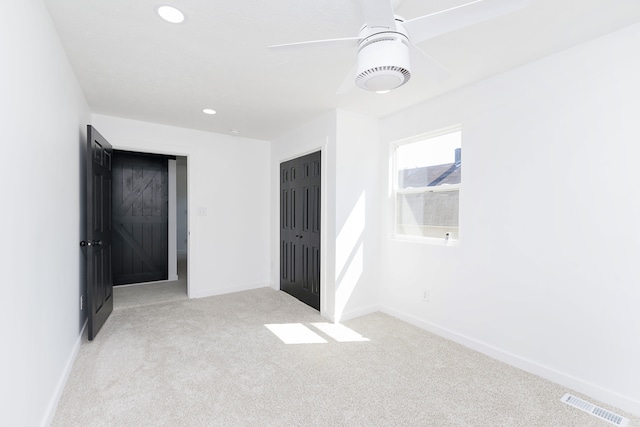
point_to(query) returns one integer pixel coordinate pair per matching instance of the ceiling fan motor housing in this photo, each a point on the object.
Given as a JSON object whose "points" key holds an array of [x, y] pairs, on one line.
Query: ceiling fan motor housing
{"points": [[383, 62]]}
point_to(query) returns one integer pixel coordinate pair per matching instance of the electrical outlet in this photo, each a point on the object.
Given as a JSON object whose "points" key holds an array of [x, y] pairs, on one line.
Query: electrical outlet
{"points": [[81, 302], [425, 295]]}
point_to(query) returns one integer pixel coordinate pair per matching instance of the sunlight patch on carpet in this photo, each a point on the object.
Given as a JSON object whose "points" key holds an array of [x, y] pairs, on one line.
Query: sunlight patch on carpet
{"points": [[340, 332], [295, 333]]}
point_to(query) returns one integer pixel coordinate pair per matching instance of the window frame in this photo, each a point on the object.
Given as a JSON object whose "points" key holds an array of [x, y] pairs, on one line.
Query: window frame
{"points": [[395, 191]]}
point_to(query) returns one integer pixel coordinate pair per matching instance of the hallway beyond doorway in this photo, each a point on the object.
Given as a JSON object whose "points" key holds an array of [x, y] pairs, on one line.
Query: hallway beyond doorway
{"points": [[127, 296]]}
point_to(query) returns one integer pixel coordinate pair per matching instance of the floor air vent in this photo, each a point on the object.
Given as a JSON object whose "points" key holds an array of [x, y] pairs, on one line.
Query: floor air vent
{"points": [[596, 411]]}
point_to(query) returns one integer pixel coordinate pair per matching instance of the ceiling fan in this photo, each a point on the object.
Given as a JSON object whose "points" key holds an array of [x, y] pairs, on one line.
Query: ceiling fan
{"points": [[387, 43]]}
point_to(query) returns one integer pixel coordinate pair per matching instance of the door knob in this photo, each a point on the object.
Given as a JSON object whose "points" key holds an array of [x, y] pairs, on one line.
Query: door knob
{"points": [[97, 243], [83, 243], [91, 243]]}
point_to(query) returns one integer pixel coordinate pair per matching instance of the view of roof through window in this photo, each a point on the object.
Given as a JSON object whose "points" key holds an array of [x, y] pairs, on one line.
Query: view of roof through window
{"points": [[430, 162]]}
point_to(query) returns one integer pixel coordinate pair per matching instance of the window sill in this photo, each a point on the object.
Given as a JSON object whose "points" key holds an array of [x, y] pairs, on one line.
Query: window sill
{"points": [[425, 240]]}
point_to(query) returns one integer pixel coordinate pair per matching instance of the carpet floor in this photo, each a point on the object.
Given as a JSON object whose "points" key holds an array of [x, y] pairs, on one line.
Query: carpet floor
{"points": [[128, 296], [262, 358]]}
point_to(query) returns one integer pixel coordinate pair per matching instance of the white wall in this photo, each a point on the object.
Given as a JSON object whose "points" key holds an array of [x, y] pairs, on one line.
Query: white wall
{"points": [[182, 198], [357, 215], [228, 187], [349, 208], [546, 275], [43, 116]]}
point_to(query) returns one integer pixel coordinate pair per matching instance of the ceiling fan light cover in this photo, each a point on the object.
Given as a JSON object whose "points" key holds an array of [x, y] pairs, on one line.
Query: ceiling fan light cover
{"points": [[383, 63]]}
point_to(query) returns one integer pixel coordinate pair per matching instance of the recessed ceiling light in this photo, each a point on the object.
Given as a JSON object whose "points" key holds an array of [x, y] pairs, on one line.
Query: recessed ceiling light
{"points": [[209, 111], [383, 91], [171, 14], [234, 131]]}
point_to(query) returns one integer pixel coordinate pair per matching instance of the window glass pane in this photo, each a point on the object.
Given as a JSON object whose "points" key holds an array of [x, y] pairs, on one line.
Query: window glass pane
{"points": [[431, 162], [428, 214], [428, 176]]}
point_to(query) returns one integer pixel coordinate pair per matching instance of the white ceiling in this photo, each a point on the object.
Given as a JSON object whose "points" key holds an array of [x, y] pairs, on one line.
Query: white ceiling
{"points": [[132, 64]]}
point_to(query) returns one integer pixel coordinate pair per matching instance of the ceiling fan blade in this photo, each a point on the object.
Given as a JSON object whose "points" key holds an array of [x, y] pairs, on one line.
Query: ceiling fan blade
{"points": [[347, 41], [378, 14], [423, 64], [428, 26]]}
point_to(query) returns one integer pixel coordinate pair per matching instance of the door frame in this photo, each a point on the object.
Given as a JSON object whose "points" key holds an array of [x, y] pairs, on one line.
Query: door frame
{"points": [[295, 285], [190, 246], [327, 305]]}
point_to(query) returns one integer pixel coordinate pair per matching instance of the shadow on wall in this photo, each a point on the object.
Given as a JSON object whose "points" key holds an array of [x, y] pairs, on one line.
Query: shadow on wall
{"points": [[181, 207]]}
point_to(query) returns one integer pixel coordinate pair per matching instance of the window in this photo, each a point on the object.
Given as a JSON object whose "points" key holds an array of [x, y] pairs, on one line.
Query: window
{"points": [[427, 178]]}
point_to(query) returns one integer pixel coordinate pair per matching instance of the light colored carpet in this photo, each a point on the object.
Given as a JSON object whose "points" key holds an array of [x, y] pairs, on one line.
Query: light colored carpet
{"points": [[213, 362], [127, 296], [153, 293]]}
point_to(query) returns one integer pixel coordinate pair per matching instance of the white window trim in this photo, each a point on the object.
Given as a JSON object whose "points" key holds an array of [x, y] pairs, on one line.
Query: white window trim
{"points": [[436, 189], [395, 236]]}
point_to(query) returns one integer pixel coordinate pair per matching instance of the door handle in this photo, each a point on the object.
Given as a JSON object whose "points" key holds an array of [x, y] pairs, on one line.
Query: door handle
{"points": [[91, 243]]}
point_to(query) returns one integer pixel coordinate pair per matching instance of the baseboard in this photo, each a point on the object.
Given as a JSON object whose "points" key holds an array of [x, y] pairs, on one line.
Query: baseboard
{"points": [[356, 313], [606, 396], [154, 282], [229, 290], [62, 382]]}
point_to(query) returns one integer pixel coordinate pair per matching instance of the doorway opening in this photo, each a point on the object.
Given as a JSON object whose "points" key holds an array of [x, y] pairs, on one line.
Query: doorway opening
{"points": [[150, 211]]}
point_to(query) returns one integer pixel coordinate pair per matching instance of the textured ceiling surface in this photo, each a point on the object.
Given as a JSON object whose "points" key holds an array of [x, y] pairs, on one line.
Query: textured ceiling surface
{"points": [[132, 64]]}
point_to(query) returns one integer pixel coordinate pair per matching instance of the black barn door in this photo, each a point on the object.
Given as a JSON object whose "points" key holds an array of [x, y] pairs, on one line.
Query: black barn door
{"points": [[140, 218], [300, 228], [99, 231]]}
